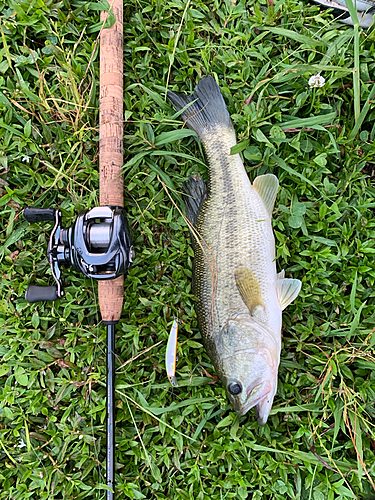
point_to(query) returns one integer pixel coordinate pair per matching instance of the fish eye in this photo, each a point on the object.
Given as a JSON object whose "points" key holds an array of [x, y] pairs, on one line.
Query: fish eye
{"points": [[235, 388]]}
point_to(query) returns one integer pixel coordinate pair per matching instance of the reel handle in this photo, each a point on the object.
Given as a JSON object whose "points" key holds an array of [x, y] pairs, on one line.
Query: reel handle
{"points": [[37, 293], [33, 214]]}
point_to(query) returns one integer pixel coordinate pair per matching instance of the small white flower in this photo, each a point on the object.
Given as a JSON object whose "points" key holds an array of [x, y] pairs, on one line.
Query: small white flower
{"points": [[26, 159], [21, 444], [317, 81]]}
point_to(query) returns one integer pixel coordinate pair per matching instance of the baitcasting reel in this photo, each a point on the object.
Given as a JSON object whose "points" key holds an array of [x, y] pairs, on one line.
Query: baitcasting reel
{"points": [[98, 244]]}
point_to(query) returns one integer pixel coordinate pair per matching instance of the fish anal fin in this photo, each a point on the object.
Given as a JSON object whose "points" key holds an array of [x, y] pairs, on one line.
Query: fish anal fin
{"points": [[267, 186], [249, 288], [287, 291]]}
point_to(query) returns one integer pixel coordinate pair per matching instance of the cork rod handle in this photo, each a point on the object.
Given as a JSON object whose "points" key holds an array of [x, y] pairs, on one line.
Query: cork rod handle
{"points": [[111, 184]]}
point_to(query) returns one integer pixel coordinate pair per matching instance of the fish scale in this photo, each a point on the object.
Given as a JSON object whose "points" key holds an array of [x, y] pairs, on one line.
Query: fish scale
{"points": [[240, 295], [231, 221]]}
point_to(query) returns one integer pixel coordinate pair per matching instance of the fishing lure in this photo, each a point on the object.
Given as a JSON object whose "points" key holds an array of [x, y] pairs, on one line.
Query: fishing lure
{"points": [[171, 354]]}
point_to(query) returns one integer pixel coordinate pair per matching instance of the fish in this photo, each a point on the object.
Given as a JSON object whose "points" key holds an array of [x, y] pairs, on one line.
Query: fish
{"points": [[240, 294], [171, 354]]}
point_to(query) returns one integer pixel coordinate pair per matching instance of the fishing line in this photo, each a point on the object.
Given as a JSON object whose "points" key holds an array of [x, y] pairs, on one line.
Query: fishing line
{"points": [[196, 235], [171, 60], [133, 358], [140, 438], [142, 408]]}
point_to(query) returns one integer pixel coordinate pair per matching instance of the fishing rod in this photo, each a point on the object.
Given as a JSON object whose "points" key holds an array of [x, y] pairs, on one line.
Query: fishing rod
{"points": [[98, 243]]}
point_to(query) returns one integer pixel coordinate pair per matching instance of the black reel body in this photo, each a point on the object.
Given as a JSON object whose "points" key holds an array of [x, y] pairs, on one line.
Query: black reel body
{"points": [[98, 244]]}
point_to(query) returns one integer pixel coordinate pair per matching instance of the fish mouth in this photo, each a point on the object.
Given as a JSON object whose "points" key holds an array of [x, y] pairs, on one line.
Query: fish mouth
{"points": [[255, 395], [262, 419]]}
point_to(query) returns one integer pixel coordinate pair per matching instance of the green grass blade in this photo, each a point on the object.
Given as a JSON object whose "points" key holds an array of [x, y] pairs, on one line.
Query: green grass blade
{"points": [[303, 39], [173, 135], [366, 107], [352, 11], [311, 121]]}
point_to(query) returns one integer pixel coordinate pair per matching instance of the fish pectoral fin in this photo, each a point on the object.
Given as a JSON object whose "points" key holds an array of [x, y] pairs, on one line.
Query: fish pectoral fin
{"points": [[248, 286], [267, 186], [287, 291]]}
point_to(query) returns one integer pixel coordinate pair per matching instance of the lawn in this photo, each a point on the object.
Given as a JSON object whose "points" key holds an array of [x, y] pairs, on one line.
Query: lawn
{"points": [[186, 442]]}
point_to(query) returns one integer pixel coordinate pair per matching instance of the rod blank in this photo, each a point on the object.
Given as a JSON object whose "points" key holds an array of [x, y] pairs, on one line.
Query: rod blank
{"points": [[110, 469]]}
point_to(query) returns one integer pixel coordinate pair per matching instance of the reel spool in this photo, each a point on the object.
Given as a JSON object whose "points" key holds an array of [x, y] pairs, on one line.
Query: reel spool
{"points": [[97, 244]]}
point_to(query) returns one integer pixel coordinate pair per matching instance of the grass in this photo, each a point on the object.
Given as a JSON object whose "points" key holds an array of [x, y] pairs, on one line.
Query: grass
{"points": [[187, 443]]}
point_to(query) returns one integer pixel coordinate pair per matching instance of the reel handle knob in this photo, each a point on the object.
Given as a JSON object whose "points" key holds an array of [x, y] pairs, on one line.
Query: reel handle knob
{"points": [[37, 293], [33, 214]]}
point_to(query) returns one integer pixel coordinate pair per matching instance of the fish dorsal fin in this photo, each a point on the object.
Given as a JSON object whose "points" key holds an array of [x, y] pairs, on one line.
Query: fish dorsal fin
{"points": [[267, 186], [195, 193], [287, 291], [248, 286]]}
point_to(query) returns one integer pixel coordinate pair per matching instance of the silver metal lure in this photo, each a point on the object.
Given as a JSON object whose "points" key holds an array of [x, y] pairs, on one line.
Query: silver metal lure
{"points": [[171, 354]]}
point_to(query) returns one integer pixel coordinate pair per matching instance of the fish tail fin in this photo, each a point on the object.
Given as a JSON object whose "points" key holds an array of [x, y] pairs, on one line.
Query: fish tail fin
{"points": [[206, 109]]}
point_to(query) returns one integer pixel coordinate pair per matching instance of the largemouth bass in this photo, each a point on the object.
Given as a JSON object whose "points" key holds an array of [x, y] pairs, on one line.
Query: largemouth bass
{"points": [[240, 294]]}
